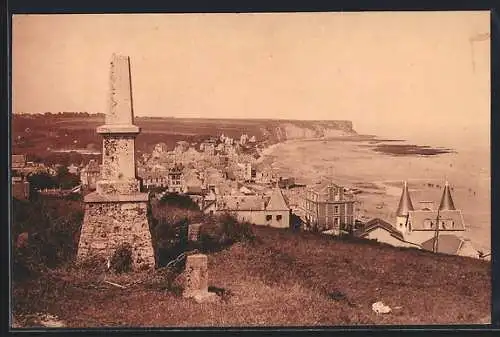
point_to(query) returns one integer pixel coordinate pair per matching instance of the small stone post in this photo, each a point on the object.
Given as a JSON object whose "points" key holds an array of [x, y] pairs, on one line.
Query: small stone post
{"points": [[196, 285]]}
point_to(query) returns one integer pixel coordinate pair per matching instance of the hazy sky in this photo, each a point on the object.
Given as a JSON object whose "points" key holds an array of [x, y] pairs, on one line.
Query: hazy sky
{"points": [[385, 71]]}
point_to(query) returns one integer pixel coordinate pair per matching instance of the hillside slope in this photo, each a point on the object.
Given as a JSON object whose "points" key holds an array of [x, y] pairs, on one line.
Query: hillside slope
{"points": [[284, 279], [36, 133]]}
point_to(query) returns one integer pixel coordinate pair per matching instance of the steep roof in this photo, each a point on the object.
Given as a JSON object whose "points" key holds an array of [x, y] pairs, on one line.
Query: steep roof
{"points": [[379, 223], [405, 204], [277, 202], [421, 220], [447, 244], [446, 199]]}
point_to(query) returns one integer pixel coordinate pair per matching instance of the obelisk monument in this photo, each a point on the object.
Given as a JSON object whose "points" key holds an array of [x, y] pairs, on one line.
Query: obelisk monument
{"points": [[116, 212]]}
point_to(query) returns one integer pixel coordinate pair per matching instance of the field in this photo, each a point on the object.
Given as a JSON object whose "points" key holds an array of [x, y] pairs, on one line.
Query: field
{"points": [[38, 135], [305, 280]]}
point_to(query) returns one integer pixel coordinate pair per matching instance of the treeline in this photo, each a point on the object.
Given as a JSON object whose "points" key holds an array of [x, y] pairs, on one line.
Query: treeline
{"points": [[60, 114]]}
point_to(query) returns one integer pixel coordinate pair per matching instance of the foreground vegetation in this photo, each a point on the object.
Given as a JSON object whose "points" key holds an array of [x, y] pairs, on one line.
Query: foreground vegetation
{"points": [[280, 278]]}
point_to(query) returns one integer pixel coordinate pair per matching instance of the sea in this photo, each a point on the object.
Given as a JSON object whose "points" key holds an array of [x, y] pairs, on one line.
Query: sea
{"points": [[354, 163]]}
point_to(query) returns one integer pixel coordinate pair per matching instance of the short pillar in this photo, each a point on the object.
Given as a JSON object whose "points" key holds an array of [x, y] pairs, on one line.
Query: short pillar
{"points": [[196, 273]]}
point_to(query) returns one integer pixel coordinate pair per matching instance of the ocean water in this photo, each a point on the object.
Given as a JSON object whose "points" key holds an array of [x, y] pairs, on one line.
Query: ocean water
{"points": [[350, 163]]}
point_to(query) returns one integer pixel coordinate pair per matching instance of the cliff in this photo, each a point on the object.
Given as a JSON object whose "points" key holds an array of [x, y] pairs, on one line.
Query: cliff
{"points": [[313, 129]]}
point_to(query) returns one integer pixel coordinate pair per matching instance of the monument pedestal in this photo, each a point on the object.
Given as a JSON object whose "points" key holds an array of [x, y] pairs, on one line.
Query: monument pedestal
{"points": [[111, 220]]}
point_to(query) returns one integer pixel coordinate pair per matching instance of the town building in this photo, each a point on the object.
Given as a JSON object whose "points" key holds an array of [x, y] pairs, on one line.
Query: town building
{"points": [[18, 162], [260, 210], [151, 180], [73, 169], [176, 179], [90, 174], [382, 231], [327, 207], [20, 188], [420, 228]]}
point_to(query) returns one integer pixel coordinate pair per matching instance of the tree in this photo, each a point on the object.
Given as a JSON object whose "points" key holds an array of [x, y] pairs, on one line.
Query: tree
{"points": [[42, 181]]}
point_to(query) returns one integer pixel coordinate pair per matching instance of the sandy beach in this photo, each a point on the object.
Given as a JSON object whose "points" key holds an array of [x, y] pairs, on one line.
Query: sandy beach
{"points": [[354, 164]]}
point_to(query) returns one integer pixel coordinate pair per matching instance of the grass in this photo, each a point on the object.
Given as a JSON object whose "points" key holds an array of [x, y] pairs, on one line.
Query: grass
{"points": [[280, 279]]}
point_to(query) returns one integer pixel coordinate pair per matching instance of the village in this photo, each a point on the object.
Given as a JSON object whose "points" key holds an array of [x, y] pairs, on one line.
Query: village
{"points": [[222, 174]]}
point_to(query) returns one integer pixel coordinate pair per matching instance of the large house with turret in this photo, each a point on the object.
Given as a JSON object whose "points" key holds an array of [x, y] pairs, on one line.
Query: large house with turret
{"points": [[440, 230]]}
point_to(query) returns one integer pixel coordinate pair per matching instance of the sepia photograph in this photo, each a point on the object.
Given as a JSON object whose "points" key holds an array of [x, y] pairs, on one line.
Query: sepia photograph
{"points": [[300, 169]]}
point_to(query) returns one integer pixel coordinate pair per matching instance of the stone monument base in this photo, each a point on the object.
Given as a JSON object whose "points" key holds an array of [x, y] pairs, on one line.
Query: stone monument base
{"points": [[202, 296], [110, 221]]}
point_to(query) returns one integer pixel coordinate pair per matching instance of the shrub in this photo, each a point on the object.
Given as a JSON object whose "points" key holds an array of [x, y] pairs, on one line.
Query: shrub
{"points": [[216, 233], [121, 261], [48, 227]]}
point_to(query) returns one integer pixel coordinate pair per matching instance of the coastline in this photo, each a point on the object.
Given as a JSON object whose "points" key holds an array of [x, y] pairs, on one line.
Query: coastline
{"points": [[352, 162]]}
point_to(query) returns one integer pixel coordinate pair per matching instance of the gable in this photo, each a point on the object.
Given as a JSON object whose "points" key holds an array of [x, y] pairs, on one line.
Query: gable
{"points": [[277, 202]]}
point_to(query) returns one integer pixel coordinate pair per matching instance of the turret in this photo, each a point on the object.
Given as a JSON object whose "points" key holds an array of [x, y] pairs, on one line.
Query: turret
{"points": [[446, 199], [404, 208]]}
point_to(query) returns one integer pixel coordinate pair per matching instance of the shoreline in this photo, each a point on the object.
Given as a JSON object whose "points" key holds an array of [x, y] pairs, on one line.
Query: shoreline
{"points": [[352, 164]]}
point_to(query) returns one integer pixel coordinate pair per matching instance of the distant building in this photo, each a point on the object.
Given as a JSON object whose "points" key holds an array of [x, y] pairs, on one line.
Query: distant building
{"points": [[327, 207], [419, 226], [270, 211], [20, 188], [18, 161], [159, 150], [90, 174], [176, 179], [286, 182], [382, 231], [73, 169], [154, 180]]}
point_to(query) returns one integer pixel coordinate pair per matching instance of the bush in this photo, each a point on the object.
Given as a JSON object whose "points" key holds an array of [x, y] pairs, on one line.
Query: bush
{"points": [[219, 232], [48, 228], [121, 261], [178, 200]]}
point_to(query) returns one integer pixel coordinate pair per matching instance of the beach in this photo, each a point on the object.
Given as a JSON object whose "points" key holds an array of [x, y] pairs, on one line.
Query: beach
{"points": [[379, 176]]}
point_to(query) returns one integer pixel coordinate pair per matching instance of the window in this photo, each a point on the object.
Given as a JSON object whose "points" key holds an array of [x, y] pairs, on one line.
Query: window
{"points": [[336, 209], [269, 217], [278, 217]]}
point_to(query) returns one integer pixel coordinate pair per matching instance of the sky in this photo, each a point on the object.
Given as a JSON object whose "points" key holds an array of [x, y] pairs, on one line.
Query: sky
{"points": [[391, 73]]}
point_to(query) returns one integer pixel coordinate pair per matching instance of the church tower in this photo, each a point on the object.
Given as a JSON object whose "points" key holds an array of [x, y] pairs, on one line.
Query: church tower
{"points": [[116, 212], [403, 211]]}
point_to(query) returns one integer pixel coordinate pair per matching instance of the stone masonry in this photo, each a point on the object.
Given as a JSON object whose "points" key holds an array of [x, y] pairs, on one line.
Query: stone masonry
{"points": [[116, 212]]}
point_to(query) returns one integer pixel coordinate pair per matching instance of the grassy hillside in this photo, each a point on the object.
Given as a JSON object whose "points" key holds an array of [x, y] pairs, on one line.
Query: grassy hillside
{"points": [[282, 279]]}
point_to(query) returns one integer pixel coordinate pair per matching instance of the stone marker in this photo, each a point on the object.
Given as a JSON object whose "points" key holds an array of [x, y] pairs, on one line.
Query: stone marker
{"points": [[194, 232], [196, 285], [117, 211]]}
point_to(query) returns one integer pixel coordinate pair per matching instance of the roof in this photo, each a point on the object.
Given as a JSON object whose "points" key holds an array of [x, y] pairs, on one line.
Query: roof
{"points": [[405, 204], [446, 200], [241, 202], [153, 175], [425, 220], [322, 186], [447, 244], [379, 223], [277, 202], [194, 190]]}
